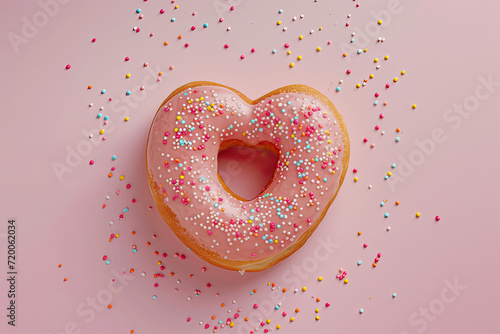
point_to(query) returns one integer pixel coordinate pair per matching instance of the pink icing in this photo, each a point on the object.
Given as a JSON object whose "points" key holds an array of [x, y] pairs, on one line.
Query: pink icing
{"points": [[182, 154]]}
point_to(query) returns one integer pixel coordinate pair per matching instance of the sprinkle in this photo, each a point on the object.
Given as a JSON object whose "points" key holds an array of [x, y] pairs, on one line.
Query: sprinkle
{"points": [[394, 295], [437, 218], [361, 311], [292, 65], [379, 22], [417, 215], [414, 106], [68, 66], [104, 92], [91, 162]]}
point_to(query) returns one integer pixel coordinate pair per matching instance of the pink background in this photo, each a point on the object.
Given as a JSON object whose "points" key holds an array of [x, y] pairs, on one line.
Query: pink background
{"points": [[445, 48]]}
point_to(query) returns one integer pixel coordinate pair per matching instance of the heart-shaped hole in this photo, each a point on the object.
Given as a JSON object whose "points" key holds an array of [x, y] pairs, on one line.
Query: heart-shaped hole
{"points": [[246, 171]]}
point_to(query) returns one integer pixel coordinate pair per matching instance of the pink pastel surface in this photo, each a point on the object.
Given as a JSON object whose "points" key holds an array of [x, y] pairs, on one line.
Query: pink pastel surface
{"points": [[447, 165]]}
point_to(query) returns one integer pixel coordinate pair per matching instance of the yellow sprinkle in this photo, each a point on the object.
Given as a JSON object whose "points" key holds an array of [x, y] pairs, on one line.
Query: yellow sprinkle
{"points": [[316, 310], [364, 50], [292, 319], [101, 131], [299, 58], [292, 64], [128, 75], [176, 6], [289, 52], [318, 49], [304, 288], [395, 79], [278, 23], [379, 22], [403, 72], [386, 57], [278, 326], [320, 28], [371, 76], [389, 173], [375, 60], [126, 119], [178, 117], [414, 106], [346, 281], [301, 37], [417, 214], [122, 177], [268, 321], [231, 324], [358, 85], [320, 278], [317, 317]]}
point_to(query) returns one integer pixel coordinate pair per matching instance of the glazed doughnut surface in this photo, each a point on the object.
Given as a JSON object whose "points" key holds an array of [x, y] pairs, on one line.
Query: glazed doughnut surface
{"points": [[200, 119]]}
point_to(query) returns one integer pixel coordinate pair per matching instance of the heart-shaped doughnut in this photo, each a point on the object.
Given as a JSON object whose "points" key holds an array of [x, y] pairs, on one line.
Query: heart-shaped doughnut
{"points": [[198, 120]]}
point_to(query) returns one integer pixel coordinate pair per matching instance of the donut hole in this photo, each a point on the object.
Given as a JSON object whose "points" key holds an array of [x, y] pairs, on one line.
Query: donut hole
{"points": [[246, 171]]}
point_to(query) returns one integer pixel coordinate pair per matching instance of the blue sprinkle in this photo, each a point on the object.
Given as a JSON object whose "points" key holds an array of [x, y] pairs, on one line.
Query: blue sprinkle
{"points": [[134, 250], [274, 51], [205, 25], [128, 92], [280, 11], [398, 139], [107, 262], [360, 262], [359, 51], [375, 103], [138, 10], [394, 295], [393, 165], [103, 91], [106, 117], [386, 215], [386, 177], [172, 19], [125, 210], [113, 157], [99, 115], [382, 203], [154, 297], [337, 89], [361, 311], [352, 40]]}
